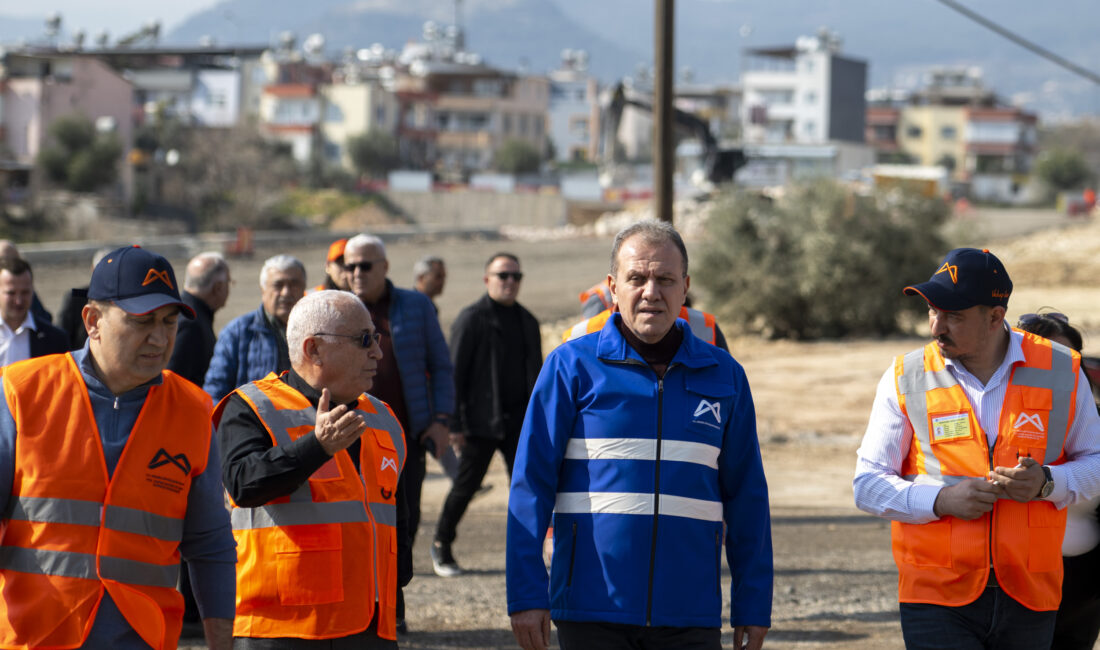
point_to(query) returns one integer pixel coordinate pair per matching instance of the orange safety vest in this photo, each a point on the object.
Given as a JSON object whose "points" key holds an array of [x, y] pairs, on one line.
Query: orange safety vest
{"points": [[73, 532], [701, 323], [594, 296], [947, 561], [312, 564]]}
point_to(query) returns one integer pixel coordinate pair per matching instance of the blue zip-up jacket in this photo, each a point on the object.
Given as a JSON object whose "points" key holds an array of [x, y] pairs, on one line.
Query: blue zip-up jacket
{"points": [[423, 360], [246, 350], [606, 445]]}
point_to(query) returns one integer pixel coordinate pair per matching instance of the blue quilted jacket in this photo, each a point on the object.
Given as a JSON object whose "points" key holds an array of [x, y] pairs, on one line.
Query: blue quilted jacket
{"points": [[245, 351]]}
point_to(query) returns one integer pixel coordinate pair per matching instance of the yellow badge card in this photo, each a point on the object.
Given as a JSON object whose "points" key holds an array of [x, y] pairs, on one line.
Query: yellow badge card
{"points": [[950, 427]]}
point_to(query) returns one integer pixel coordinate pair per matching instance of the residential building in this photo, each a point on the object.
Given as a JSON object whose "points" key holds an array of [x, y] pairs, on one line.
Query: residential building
{"points": [[806, 93], [354, 106], [573, 113]]}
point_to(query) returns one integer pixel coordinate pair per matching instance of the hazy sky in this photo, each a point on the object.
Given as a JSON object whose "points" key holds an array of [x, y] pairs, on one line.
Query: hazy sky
{"points": [[119, 17]]}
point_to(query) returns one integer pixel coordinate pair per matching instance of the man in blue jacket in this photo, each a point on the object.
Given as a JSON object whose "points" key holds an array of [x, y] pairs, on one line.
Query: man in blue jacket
{"points": [[254, 344], [640, 441]]}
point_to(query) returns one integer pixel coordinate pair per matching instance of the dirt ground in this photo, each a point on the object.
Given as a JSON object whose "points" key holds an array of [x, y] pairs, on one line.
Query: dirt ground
{"points": [[835, 584]]}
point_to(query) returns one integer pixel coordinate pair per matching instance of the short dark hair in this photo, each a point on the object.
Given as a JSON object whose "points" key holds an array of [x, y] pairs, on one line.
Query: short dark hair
{"points": [[15, 265], [1048, 325], [497, 256], [652, 232]]}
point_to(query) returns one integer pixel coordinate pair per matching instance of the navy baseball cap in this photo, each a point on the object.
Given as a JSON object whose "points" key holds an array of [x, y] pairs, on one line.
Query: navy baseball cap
{"points": [[136, 280], [967, 277]]}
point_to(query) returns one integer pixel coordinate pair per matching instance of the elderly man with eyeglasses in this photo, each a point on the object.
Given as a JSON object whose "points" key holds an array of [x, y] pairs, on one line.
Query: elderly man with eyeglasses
{"points": [[311, 463], [414, 375]]}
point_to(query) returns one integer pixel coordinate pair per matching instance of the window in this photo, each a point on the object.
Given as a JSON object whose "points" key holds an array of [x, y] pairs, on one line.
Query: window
{"points": [[810, 97], [948, 132], [913, 131]]}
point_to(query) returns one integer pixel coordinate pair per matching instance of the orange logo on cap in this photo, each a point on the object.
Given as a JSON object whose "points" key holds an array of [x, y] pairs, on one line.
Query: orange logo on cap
{"points": [[154, 275], [952, 270]]}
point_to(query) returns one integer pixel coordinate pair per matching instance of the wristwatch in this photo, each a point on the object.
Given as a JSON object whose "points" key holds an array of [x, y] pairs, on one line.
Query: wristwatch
{"points": [[1048, 485]]}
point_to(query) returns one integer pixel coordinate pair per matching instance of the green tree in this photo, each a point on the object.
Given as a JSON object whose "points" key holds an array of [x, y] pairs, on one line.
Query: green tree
{"points": [[1063, 169], [517, 157], [821, 262], [374, 153], [77, 157]]}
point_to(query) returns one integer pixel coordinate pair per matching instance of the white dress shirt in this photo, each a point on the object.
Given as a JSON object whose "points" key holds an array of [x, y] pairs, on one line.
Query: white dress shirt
{"points": [[879, 487], [16, 346]]}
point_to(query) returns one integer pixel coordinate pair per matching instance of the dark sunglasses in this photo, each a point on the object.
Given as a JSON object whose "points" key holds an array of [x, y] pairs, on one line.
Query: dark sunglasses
{"points": [[365, 267], [365, 340], [1028, 319], [513, 275]]}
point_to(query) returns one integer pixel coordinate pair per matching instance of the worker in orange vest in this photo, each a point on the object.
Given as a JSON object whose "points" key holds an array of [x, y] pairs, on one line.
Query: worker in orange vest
{"points": [[110, 479], [312, 464], [976, 444], [334, 268]]}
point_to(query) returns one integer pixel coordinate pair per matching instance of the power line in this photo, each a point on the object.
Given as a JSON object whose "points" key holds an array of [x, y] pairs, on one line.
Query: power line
{"points": [[1022, 42]]}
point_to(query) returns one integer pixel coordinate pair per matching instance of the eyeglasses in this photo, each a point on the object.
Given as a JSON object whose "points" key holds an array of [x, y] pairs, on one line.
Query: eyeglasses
{"points": [[1028, 319], [509, 275], [364, 267], [365, 340]]}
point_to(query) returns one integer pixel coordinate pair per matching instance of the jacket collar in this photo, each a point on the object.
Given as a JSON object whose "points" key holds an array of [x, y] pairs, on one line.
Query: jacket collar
{"points": [[611, 346]]}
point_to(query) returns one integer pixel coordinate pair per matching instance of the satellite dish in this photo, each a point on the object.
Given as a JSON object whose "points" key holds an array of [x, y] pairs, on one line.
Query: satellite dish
{"points": [[314, 44], [287, 40]]}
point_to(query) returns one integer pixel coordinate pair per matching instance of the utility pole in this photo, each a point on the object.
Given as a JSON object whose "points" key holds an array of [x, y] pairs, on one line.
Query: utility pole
{"points": [[663, 30]]}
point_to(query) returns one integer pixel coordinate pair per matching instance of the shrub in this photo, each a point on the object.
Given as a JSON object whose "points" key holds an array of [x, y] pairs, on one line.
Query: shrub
{"points": [[818, 263]]}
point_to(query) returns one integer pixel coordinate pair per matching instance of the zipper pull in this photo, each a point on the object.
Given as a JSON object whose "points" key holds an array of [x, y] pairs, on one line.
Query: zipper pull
{"points": [[116, 402]]}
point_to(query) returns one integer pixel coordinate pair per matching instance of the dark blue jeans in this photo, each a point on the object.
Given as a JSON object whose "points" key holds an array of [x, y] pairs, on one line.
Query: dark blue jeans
{"points": [[992, 622]]}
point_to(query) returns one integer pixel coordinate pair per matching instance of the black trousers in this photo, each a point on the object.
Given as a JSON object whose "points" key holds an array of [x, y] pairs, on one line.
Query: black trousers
{"points": [[472, 465], [573, 635], [366, 640], [1078, 622]]}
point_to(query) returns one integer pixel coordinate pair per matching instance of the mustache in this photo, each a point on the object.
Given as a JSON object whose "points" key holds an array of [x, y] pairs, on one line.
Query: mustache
{"points": [[945, 339]]}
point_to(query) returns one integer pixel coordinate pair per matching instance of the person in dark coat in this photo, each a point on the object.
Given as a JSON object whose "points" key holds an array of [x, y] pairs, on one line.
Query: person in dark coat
{"points": [[497, 352], [70, 317], [206, 290], [22, 334]]}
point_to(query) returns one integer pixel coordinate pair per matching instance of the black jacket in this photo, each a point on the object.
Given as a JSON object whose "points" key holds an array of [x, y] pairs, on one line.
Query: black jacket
{"points": [[195, 341], [47, 339], [476, 352], [70, 318]]}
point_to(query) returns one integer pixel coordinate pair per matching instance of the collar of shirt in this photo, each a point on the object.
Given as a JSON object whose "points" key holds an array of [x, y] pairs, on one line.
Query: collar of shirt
{"points": [[1013, 355], [28, 324]]}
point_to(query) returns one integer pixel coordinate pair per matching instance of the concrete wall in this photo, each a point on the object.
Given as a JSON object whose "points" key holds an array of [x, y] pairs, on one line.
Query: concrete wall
{"points": [[481, 209]]}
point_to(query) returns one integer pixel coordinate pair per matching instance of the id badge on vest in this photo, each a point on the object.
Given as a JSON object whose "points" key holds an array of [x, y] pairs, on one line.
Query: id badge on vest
{"points": [[949, 427]]}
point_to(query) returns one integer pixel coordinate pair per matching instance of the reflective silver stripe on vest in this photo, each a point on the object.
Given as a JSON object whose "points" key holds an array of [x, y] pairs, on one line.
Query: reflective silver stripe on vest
{"points": [[1061, 382], [384, 421], [274, 515], [82, 565], [139, 573], [580, 329], [50, 563], [697, 320], [280, 421], [914, 383], [60, 511], [139, 522], [938, 481], [384, 513], [86, 513]]}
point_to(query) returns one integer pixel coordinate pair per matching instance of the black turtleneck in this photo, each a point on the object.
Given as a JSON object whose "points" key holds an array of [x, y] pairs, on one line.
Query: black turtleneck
{"points": [[658, 355]]}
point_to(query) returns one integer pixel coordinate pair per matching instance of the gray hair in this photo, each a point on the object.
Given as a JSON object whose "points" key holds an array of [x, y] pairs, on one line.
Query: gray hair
{"points": [[424, 265], [281, 263], [652, 232], [317, 312], [215, 271], [363, 240]]}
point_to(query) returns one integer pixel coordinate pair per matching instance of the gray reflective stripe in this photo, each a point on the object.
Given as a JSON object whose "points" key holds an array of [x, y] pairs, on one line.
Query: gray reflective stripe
{"points": [[384, 421], [384, 513], [133, 572], [50, 563], [580, 329], [61, 511], [139, 522], [697, 320], [82, 565], [913, 383], [298, 514], [1061, 382], [941, 481], [279, 420]]}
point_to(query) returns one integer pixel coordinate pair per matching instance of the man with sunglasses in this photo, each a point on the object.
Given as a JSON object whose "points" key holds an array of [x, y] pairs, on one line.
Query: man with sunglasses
{"points": [[497, 352], [976, 444], [414, 374], [311, 463]]}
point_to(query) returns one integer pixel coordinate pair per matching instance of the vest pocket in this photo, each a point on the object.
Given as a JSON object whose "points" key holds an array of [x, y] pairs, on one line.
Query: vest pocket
{"points": [[1046, 527], [312, 573], [925, 544]]}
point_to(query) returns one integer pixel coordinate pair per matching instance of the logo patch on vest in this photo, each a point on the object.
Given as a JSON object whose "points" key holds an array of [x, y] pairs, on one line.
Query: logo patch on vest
{"points": [[162, 458], [388, 463], [950, 427], [1029, 425]]}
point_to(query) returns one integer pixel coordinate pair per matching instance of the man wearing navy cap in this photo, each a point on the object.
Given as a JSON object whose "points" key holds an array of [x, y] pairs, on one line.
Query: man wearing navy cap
{"points": [[108, 476], [975, 445]]}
